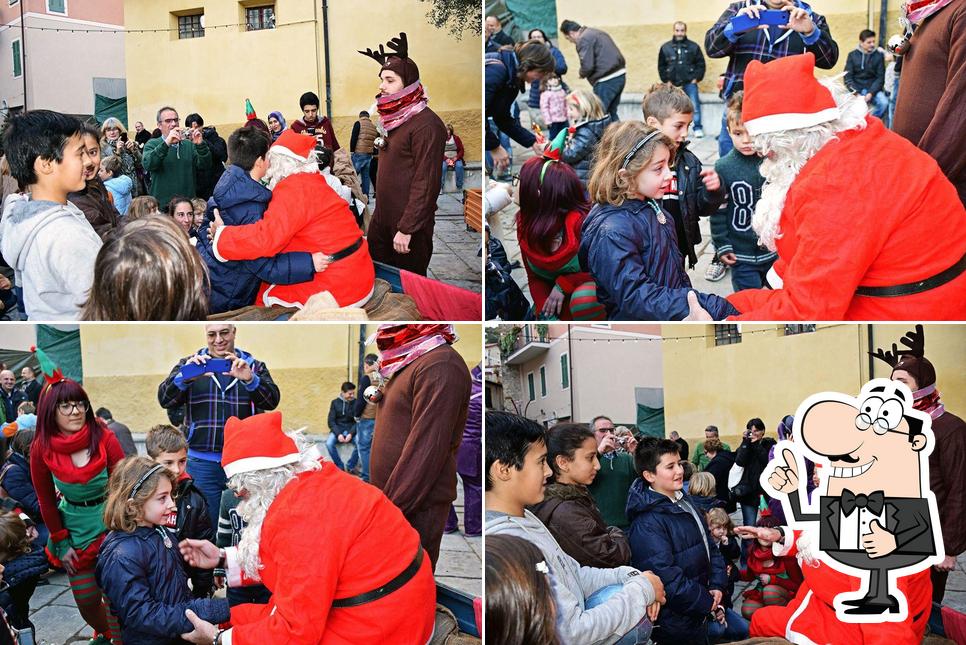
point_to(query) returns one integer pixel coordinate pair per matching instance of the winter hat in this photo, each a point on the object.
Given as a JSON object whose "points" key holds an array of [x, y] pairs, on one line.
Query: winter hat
{"points": [[784, 95], [398, 61], [293, 144], [257, 443]]}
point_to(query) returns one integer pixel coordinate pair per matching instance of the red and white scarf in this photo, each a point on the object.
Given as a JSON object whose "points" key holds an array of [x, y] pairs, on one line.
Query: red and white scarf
{"points": [[927, 400], [400, 345], [916, 12], [396, 109]]}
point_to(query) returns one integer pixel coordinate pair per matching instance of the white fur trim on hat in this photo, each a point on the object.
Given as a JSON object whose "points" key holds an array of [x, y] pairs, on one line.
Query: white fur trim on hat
{"points": [[790, 121], [248, 464], [282, 150]]}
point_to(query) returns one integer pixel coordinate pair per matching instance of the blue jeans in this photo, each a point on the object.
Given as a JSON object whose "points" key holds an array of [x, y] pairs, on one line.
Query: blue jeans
{"points": [[361, 161], [504, 142], [736, 630], [725, 144], [364, 431], [211, 481], [749, 515], [748, 276], [691, 89], [879, 106], [892, 101], [609, 93], [458, 169], [639, 634], [331, 444]]}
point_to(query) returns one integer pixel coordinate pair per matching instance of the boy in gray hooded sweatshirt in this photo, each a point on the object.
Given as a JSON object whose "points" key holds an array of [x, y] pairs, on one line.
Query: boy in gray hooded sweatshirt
{"points": [[46, 239], [516, 471]]}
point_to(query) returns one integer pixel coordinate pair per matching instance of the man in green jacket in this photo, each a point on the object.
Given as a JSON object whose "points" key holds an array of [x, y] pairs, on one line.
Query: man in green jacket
{"points": [[172, 159], [699, 458], [616, 474]]}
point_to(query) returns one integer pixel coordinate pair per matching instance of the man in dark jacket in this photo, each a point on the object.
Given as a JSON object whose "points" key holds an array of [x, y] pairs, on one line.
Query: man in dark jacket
{"points": [[668, 536], [502, 87], [681, 63], [806, 31], [121, 431], [865, 73], [342, 426], [601, 63], [495, 36], [241, 199], [210, 399], [752, 455], [207, 178], [29, 384], [720, 461], [682, 444], [10, 396]]}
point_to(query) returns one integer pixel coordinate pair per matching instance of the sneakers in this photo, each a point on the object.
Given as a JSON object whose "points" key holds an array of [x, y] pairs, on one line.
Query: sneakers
{"points": [[698, 133], [716, 271], [99, 639]]}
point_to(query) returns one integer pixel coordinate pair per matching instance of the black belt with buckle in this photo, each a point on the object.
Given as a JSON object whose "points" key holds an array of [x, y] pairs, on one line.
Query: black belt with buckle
{"points": [[386, 589], [347, 251], [919, 286], [87, 503]]}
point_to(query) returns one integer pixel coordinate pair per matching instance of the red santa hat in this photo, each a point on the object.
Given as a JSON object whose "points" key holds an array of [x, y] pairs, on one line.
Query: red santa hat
{"points": [[296, 145], [785, 95], [257, 443]]}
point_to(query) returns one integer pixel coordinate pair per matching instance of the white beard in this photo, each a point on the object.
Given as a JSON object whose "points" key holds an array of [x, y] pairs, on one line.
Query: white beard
{"points": [[787, 152]]}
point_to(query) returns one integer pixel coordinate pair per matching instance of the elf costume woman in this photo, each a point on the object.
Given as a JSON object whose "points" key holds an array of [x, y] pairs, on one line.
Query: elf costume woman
{"points": [[73, 452], [552, 210], [401, 231]]}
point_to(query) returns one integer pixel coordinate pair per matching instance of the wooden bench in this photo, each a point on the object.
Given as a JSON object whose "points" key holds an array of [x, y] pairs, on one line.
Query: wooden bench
{"points": [[473, 209]]}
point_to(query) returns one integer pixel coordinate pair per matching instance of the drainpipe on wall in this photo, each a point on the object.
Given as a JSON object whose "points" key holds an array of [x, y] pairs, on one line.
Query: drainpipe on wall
{"points": [[23, 56], [882, 22], [871, 342], [570, 368], [325, 36]]}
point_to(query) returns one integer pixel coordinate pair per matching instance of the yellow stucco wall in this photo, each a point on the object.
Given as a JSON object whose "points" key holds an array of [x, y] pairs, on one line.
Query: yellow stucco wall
{"points": [[124, 364], [214, 75], [768, 374], [640, 28]]}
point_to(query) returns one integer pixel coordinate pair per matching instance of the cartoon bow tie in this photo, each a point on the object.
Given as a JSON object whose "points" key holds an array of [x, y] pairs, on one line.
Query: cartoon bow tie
{"points": [[874, 502]]}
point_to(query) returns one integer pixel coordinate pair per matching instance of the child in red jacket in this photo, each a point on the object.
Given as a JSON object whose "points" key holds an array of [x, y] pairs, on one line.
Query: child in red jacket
{"points": [[778, 578]]}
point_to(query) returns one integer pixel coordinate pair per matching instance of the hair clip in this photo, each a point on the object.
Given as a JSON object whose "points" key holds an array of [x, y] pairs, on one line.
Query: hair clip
{"points": [[542, 567], [144, 478]]}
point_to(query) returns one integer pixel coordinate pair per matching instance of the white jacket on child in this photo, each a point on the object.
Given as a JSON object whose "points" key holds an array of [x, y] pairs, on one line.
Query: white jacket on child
{"points": [[601, 625], [52, 249]]}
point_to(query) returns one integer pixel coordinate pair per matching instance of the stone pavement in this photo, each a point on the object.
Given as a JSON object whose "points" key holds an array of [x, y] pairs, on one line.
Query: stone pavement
{"points": [[55, 615], [456, 259]]}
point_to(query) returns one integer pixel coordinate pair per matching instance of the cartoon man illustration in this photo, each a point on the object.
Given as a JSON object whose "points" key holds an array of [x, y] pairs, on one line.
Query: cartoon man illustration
{"points": [[876, 516]]}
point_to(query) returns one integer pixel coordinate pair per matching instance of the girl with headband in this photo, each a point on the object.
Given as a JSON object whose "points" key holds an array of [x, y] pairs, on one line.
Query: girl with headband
{"points": [[629, 244]]}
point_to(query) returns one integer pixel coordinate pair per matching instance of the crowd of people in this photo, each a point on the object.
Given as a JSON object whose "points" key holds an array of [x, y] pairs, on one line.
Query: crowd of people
{"points": [[228, 496], [595, 535], [794, 153], [274, 215]]}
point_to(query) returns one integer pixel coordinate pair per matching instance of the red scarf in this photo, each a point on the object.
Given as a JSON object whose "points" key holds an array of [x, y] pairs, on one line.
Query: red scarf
{"points": [[927, 400], [557, 260], [62, 446], [396, 109], [400, 345]]}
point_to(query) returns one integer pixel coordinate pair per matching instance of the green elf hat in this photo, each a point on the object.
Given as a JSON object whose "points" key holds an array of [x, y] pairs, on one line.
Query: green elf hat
{"points": [[52, 373], [249, 111], [552, 152]]}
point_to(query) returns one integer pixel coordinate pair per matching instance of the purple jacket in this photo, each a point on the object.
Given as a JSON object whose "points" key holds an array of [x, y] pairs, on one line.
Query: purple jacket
{"points": [[469, 455]]}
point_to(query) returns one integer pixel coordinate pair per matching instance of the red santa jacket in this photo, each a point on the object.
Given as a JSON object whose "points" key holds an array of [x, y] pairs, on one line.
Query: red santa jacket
{"points": [[810, 617], [305, 214], [870, 210], [328, 535]]}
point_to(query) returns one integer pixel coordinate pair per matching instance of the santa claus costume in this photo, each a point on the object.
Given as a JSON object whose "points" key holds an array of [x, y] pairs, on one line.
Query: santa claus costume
{"points": [[865, 224], [409, 170], [343, 564], [305, 214], [810, 619], [947, 458]]}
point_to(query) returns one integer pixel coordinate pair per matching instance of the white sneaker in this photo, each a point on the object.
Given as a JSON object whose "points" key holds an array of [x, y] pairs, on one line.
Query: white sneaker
{"points": [[716, 271], [698, 133]]}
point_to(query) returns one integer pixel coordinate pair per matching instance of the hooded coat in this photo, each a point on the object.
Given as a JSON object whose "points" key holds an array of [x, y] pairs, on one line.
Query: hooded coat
{"points": [[666, 539], [578, 152], [52, 249], [573, 583], [242, 200], [571, 515]]}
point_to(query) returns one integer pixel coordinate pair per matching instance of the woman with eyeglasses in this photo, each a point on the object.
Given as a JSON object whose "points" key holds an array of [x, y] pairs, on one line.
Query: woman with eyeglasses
{"points": [[75, 452]]}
